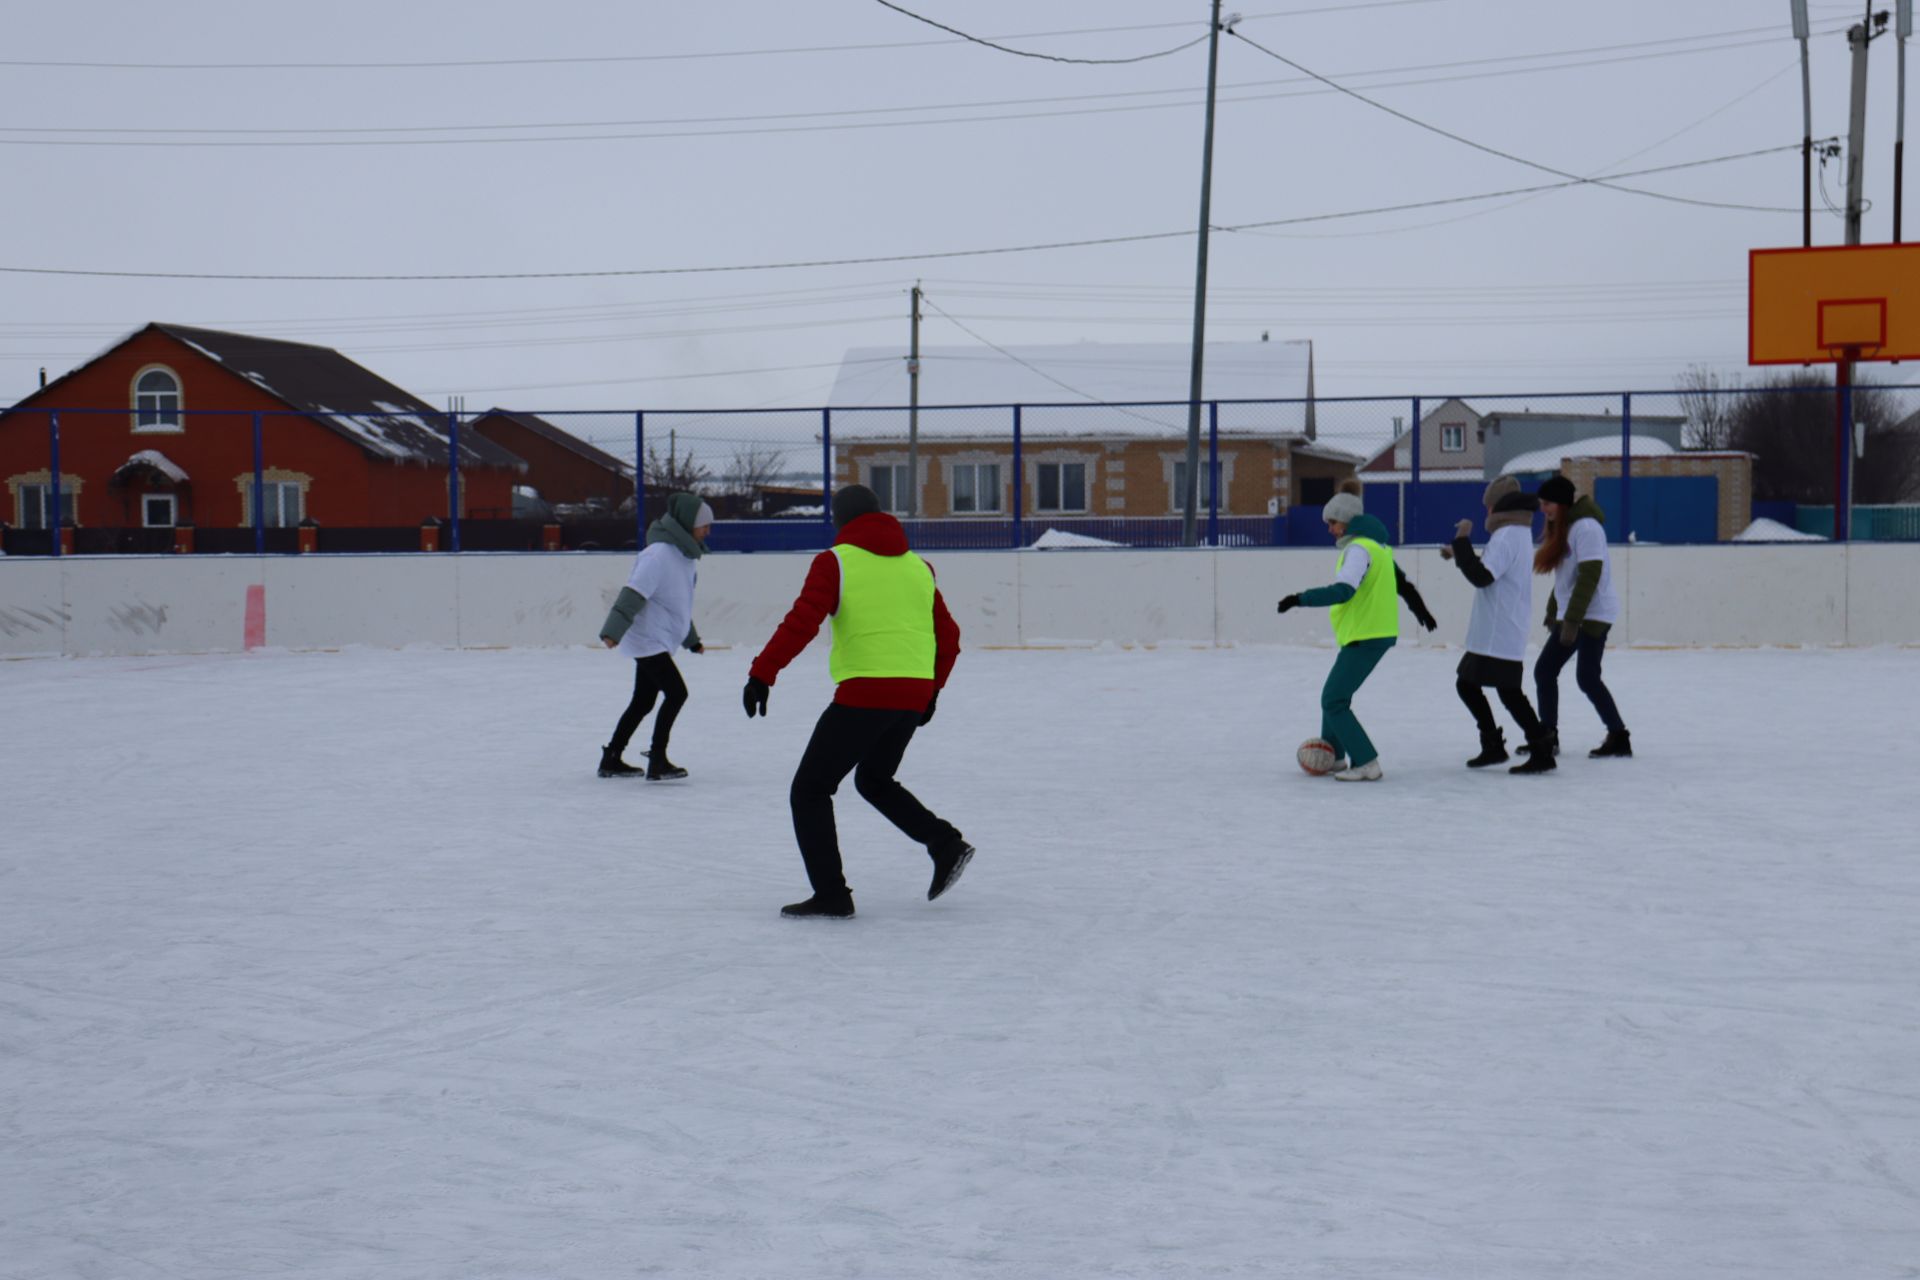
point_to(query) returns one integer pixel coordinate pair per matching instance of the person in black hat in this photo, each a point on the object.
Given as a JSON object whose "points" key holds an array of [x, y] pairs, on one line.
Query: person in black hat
{"points": [[894, 644], [1581, 611]]}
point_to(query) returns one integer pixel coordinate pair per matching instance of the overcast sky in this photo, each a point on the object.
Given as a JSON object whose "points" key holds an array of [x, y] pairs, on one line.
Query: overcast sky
{"points": [[766, 131]]}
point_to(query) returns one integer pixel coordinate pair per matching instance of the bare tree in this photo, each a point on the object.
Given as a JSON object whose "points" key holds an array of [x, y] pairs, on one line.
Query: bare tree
{"points": [[751, 468], [1710, 404], [1787, 423], [672, 472]]}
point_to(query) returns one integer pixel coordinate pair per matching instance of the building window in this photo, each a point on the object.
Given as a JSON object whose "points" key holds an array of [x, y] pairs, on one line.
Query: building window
{"points": [[976, 487], [280, 500], [1062, 486], [35, 501], [156, 401], [888, 480], [1453, 438], [1207, 475], [158, 511]]}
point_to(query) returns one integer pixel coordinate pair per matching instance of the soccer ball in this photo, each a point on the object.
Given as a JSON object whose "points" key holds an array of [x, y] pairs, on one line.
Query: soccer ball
{"points": [[1316, 756]]}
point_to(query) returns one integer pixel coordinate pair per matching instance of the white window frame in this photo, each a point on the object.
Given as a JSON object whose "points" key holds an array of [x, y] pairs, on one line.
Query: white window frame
{"points": [[1177, 492], [991, 493], [893, 501], [275, 481], [274, 496], [1086, 486], [173, 511], [178, 423], [33, 502], [1457, 433], [33, 493]]}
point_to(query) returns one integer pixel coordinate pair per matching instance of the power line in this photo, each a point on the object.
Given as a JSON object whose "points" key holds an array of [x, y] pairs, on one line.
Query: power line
{"points": [[1091, 242], [1495, 151], [1024, 53]]}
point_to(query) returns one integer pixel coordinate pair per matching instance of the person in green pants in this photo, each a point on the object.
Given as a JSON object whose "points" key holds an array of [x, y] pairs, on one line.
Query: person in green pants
{"points": [[1362, 604]]}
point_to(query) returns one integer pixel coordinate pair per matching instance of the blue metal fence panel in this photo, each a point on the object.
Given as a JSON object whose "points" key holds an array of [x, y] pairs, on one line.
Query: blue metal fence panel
{"points": [[1665, 508]]}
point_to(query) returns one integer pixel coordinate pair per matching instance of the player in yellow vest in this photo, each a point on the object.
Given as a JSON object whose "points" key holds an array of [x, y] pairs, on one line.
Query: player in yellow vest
{"points": [[894, 644], [1364, 608]]}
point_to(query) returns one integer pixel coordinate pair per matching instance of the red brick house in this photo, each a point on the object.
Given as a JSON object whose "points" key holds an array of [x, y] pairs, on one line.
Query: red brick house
{"points": [[158, 430], [561, 468]]}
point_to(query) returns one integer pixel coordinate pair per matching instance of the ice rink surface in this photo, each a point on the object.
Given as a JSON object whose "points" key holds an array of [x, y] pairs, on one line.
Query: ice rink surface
{"points": [[345, 965]]}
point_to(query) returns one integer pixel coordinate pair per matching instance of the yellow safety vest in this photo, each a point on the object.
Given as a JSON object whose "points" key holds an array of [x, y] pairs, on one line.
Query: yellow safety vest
{"points": [[1374, 611], [883, 628]]}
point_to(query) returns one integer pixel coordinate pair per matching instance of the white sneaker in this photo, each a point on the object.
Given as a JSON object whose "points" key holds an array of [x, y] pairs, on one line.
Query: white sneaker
{"points": [[1368, 772]]}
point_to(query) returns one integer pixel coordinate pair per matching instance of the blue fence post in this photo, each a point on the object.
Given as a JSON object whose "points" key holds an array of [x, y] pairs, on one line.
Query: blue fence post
{"points": [[1413, 485], [259, 486], [826, 471], [1019, 486], [640, 478], [453, 480], [1213, 473], [1626, 466], [53, 472]]}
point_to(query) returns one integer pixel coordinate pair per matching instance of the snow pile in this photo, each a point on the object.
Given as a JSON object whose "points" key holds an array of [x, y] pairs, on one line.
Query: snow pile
{"points": [[1062, 540], [1765, 530]]}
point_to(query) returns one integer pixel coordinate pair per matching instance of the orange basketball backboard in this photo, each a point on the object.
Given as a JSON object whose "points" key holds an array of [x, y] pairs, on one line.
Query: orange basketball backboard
{"points": [[1818, 306]]}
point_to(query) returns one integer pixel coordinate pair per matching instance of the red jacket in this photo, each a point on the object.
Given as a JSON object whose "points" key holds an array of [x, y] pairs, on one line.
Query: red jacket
{"points": [[882, 535]]}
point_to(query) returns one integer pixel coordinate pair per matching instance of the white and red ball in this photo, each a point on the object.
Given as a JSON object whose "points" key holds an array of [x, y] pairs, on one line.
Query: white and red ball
{"points": [[1316, 756]]}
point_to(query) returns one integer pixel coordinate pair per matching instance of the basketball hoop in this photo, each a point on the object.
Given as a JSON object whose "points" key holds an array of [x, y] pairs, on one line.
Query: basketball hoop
{"points": [[1829, 305]]}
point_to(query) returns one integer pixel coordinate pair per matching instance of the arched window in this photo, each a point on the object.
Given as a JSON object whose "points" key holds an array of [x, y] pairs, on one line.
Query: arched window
{"points": [[156, 401]]}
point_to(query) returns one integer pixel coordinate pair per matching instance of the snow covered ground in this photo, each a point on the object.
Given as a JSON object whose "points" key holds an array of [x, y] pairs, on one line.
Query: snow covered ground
{"points": [[346, 965]]}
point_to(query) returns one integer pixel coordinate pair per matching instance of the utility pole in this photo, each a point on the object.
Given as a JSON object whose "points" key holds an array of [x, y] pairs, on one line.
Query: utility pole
{"points": [[1190, 532], [1801, 31], [1857, 39], [913, 413], [1903, 27]]}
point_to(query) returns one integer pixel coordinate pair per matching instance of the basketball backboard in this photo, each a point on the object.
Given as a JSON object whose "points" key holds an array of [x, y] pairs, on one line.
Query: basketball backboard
{"points": [[1845, 302]]}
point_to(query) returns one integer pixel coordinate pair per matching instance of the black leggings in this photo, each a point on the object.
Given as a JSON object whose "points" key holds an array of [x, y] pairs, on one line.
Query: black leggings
{"points": [[1589, 649], [654, 676], [1511, 697], [870, 743]]}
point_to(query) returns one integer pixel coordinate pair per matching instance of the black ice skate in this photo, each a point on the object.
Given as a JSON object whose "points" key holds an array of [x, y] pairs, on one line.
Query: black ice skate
{"points": [[949, 860], [828, 908], [1493, 750], [1617, 745], [612, 766]]}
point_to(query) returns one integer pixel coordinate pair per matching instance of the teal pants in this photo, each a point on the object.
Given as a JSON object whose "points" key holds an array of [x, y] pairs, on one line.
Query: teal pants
{"points": [[1338, 725]]}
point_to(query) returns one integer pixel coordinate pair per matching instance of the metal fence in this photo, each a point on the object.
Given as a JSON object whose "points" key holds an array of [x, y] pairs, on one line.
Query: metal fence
{"points": [[1666, 466]]}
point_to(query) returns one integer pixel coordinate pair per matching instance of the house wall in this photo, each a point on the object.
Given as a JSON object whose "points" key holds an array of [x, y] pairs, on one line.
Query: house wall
{"points": [[344, 486], [560, 474], [1451, 413], [1734, 471], [1125, 478], [1816, 594]]}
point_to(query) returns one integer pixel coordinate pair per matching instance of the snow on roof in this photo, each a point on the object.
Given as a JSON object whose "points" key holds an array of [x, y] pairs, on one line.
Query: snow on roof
{"points": [[1595, 447], [158, 461], [1428, 475], [1075, 389], [1765, 530], [1062, 540]]}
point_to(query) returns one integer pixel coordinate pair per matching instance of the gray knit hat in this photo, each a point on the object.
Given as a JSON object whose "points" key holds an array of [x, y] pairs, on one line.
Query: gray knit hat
{"points": [[1499, 489], [1343, 508]]}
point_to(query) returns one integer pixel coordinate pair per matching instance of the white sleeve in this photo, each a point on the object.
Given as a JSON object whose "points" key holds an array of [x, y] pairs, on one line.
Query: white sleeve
{"points": [[1500, 555], [1587, 541], [645, 577], [1354, 565]]}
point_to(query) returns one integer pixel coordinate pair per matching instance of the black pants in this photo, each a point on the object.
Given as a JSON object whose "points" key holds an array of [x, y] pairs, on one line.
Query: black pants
{"points": [[1589, 649], [1479, 673], [869, 743], [653, 677]]}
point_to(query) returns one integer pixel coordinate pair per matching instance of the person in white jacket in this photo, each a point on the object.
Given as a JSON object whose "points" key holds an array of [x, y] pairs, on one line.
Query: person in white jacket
{"points": [[1497, 631], [651, 617]]}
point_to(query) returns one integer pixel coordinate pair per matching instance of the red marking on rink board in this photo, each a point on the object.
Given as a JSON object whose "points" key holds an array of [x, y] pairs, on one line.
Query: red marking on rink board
{"points": [[256, 626]]}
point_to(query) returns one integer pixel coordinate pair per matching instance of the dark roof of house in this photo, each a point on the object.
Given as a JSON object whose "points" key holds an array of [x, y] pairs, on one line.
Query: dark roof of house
{"points": [[547, 431], [343, 396]]}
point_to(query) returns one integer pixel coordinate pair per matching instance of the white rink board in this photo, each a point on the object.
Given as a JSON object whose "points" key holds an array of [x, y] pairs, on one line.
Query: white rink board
{"points": [[1786, 595]]}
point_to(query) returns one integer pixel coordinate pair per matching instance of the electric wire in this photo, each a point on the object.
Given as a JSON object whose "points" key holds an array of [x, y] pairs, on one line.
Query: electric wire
{"points": [[1045, 57]]}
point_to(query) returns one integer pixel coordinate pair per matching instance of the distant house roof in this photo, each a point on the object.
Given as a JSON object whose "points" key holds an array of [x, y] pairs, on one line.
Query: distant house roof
{"points": [[1076, 389], [1549, 459], [338, 394], [547, 431]]}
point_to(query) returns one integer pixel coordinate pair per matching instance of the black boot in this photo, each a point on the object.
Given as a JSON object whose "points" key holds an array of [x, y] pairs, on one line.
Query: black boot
{"points": [[1553, 744], [1617, 744], [612, 766], [661, 769], [1539, 759], [1493, 750], [950, 858], [832, 908]]}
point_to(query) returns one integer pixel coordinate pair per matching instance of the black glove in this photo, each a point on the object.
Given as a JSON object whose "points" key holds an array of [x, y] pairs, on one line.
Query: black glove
{"points": [[1427, 620], [932, 702], [754, 698], [696, 648], [1290, 602]]}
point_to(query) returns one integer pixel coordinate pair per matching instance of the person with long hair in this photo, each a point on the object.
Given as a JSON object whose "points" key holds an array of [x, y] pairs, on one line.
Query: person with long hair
{"points": [[1581, 611]]}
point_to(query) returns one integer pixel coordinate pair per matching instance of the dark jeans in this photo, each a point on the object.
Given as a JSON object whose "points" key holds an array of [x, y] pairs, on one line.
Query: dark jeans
{"points": [[1589, 649], [868, 742], [1478, 673], [653, 677], [1338, 725]]}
